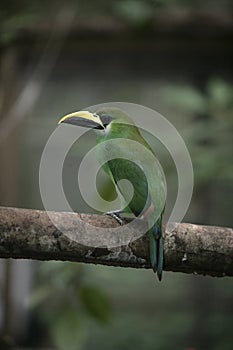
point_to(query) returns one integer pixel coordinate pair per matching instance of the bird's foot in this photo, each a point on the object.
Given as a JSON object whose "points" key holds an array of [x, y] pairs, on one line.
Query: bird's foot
{"points": [[116, 215]]}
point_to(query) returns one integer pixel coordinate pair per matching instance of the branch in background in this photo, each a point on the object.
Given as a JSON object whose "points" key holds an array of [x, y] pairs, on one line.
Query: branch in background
{"points": [[30, 94], [30, 234]]}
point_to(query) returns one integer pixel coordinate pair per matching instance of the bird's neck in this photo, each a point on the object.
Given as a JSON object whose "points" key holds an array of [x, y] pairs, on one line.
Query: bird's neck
{"points": [[118, 130]]}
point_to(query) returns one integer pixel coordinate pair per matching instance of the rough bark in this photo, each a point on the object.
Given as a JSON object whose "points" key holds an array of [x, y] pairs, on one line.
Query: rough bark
{"points": [[30, 234]]}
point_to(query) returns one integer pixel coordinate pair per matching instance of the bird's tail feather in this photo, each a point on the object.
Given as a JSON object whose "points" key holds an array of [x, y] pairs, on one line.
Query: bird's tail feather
{"points": [[153, 250], [156, 249], [160, 257]]}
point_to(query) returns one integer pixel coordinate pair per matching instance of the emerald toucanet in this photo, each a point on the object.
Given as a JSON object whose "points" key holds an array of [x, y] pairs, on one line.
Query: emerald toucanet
{"points": [[149, 195]]}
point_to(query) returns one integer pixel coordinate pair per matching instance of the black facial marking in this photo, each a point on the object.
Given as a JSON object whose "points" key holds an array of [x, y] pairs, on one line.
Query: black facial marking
{"points": [[106, 119]]}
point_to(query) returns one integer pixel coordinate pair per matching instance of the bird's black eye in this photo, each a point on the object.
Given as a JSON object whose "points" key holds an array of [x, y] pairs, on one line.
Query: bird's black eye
{"points": [[106, 119]]}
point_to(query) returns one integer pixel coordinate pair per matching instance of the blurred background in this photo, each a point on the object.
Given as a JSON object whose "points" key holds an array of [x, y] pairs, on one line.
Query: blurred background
{"points": [[174, 56]]}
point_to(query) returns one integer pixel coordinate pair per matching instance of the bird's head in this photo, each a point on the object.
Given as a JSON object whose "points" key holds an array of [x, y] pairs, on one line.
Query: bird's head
{"points": [[99, 120]]}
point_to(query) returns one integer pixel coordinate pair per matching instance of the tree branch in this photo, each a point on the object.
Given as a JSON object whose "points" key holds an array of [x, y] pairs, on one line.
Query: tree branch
{"points": [[30, 234]]}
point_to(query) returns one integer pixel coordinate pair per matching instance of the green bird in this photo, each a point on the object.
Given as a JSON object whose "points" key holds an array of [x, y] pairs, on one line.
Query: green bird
{"points": [[125, 154]]}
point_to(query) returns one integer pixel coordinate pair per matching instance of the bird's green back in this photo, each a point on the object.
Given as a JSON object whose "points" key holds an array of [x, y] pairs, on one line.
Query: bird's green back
{"points": [[148, 188]]}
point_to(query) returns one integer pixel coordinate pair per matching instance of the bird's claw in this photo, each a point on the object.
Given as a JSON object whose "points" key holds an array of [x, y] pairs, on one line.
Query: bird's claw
{"points": [[116, 215]]}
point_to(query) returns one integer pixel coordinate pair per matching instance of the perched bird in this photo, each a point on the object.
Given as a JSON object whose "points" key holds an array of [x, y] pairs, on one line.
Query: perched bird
{"points": [[127, 160]]}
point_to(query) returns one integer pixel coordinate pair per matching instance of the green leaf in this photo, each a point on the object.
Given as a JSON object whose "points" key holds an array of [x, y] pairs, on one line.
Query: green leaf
{"points": [[96, 303], [186, 98], [134, 10], [38, 296], [68, 330], [220, 92]]}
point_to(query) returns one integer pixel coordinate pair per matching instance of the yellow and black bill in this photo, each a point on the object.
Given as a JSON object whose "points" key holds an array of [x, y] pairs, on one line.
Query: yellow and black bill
{"points": [[83, 118]]}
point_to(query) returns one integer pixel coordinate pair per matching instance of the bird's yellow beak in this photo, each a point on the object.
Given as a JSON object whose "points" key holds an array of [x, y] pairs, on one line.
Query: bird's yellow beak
{"points": [[83, 118]]}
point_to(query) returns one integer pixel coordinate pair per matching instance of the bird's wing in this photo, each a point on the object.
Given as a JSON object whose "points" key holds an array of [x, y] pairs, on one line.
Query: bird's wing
{"points": [[121, 169]]}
